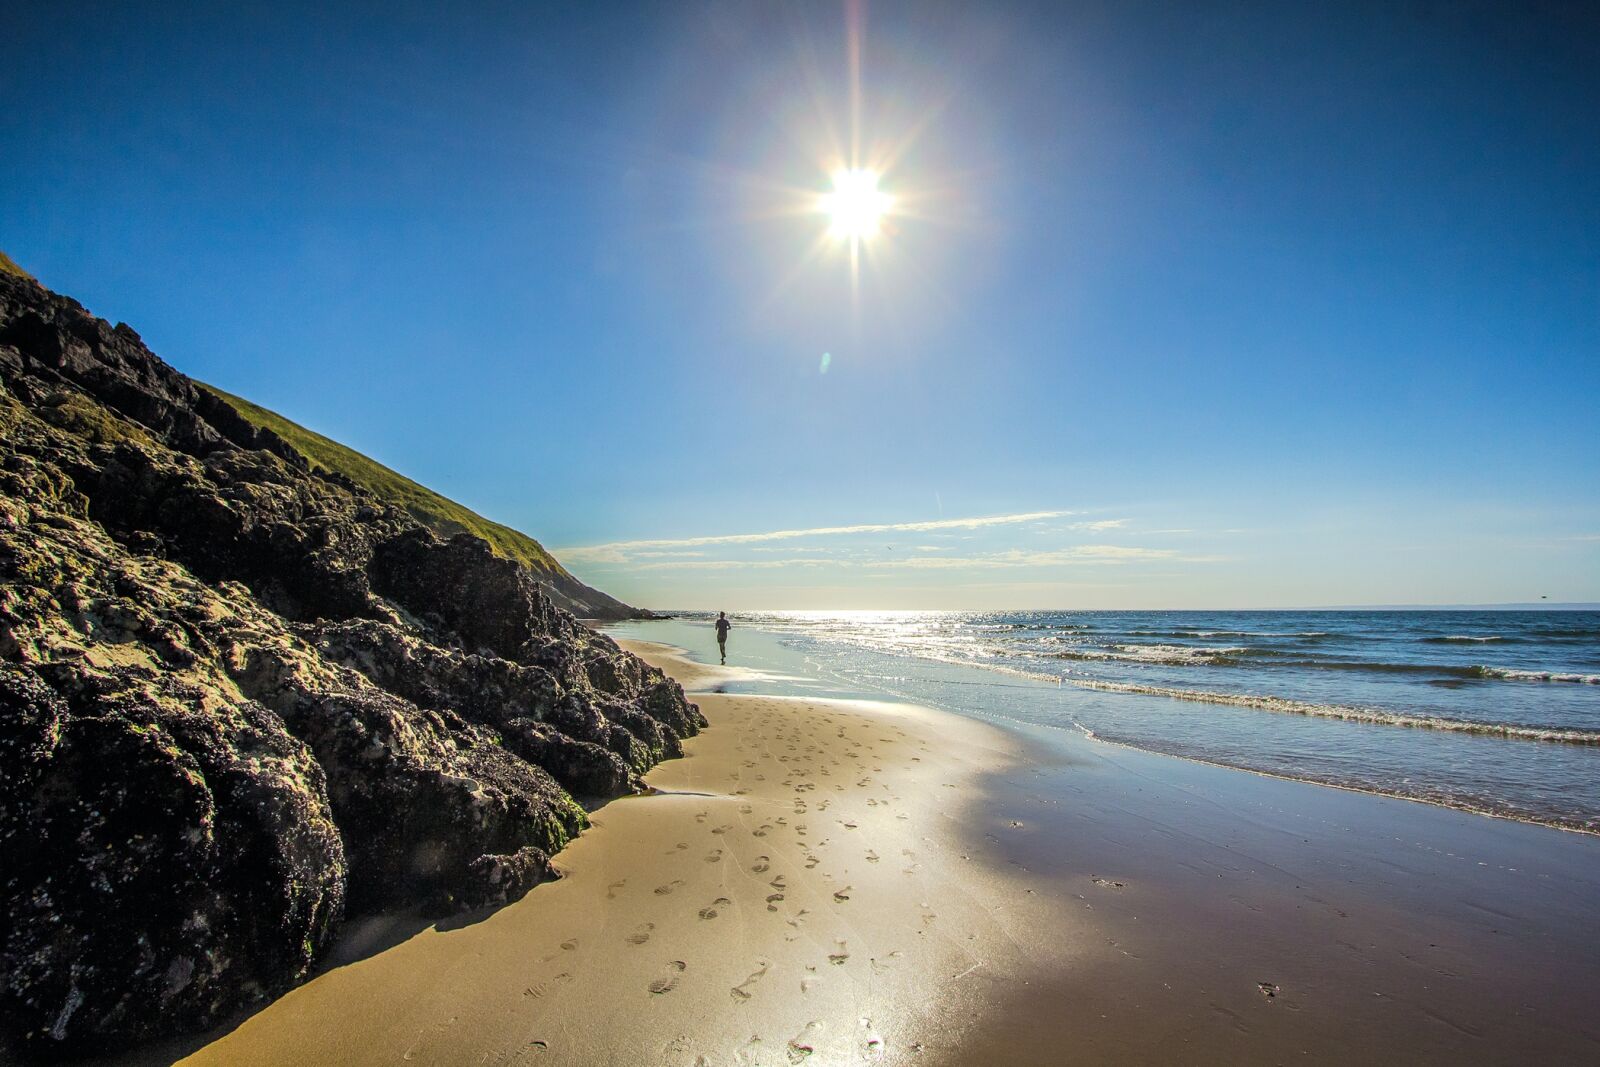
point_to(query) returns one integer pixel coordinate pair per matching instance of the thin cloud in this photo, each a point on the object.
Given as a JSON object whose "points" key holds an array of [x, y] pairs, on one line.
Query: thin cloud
{"points": [[728, 564], [620, 551], [1076, 555]]}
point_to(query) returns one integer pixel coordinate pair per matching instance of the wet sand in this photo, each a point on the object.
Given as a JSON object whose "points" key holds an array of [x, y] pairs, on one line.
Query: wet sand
{"points": [[1260, 920], [846, 882]]}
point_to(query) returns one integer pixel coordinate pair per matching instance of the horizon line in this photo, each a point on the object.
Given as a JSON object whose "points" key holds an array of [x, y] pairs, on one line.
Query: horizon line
{"points": [[1509, 605]]}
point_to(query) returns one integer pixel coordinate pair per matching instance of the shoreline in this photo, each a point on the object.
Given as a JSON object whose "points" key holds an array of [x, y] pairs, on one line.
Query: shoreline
{"points": [[1387, 928], [1006, 897], [1492, 746], [1346, 787]]}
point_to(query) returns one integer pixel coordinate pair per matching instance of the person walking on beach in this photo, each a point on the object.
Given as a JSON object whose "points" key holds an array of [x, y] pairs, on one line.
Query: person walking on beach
{"points": [[723, 626]]}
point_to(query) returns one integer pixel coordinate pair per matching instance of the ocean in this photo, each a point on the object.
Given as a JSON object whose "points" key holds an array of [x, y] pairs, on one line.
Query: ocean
{"points": [[1496, 712]]}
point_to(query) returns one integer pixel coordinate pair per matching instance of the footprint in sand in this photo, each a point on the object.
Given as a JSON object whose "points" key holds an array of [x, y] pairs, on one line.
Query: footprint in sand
{"points": [[872, 857], [714, 856], [720, 829], [838, 958], [569, 944], [800, 1044], [745, 809], [611, 890], [641, 935], [669, 981], [741, 992], [663, 890], [886, 964], [1108, 883], [761, 865], [772, 901], [710, 910], [761, 831], [842, 895]]}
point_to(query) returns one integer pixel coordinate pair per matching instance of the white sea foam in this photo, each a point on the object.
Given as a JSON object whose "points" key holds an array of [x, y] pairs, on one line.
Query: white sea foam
{"points": [[1348, 713], [1170, 655], [1228, 633], [1511, 674]]}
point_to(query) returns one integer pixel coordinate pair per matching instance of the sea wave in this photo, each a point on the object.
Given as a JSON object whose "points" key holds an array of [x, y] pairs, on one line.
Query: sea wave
{"points": [[1169, 655], [1451, 639], [1450, 670], [1348, 713], [1511, 674], [1231, 633], [1566, 633], [1245, 656]]}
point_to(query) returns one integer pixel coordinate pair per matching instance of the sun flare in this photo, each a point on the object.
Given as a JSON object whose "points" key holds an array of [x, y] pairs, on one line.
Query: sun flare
{"points": [[856, 207]]}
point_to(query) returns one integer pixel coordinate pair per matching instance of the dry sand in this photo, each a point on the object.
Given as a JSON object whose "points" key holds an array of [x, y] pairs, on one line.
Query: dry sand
{"points": [[796, 888]]}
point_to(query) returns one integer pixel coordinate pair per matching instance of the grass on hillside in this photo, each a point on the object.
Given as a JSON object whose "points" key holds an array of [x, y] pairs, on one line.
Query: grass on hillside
{"points": [[9, 266], [445, 517]]}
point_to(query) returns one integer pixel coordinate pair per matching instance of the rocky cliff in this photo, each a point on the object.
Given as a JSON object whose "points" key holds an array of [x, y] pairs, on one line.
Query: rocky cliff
{"points": [[444, 517], [242, 696]]}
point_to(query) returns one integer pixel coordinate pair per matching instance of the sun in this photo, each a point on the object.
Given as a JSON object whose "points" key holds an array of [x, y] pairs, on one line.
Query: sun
{"points": [[856, 206]]}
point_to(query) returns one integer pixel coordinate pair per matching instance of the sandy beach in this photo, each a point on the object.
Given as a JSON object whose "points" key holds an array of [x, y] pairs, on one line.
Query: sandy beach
{"points": [[797, 886], [849, 881]]}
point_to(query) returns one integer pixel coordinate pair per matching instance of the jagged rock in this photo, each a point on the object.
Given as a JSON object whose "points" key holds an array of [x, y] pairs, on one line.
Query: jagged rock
{"points": [[240, 697], [158, 860]]}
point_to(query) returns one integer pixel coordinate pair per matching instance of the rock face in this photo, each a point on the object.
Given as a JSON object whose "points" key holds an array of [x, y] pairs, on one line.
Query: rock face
{"points": [[240, 699]]}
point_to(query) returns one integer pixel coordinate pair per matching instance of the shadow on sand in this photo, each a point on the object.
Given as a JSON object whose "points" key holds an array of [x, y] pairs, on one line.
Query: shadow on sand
{"points": [[359, 939]]}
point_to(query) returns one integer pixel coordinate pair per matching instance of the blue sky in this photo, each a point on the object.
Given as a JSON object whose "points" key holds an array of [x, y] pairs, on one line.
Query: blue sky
{"points": [[1183, 305]]}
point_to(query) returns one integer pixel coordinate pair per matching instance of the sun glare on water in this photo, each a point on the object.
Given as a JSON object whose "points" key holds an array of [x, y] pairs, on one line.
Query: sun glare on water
{"points": [[856, 206]]}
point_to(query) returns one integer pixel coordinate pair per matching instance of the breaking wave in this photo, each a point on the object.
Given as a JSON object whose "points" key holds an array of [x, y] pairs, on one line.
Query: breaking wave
{"points": [[1374, 716], [1241, 656], [1511, 674]]}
